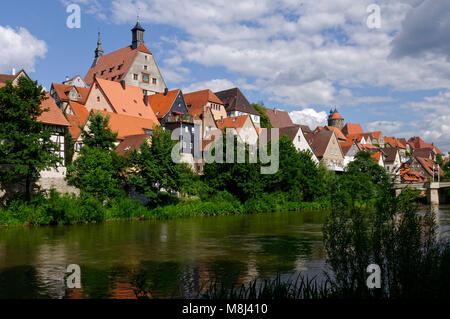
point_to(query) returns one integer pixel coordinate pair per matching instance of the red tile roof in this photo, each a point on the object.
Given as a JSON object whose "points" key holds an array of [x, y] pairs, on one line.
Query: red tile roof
{"points": [[198, 99], [352, 129], [394, 142], [411, 176], [62, 90], [123, 57], [128, 101], [377, 156], [428, 165], [78, 120], [319, 142], [235, 100], [126, 125], [161, 103], [338, 132], [53, 115], [131, 143], [336, 116], [232, 122], [417, 142]]}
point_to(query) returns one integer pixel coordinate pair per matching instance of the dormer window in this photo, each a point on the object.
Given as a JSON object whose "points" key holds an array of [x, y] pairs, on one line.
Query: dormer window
{"points": [[120, 67], [111, 69], [103, 72]]}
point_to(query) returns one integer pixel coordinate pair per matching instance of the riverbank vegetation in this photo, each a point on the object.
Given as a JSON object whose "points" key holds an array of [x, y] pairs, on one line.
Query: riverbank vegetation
{"points": [[109, 182]]}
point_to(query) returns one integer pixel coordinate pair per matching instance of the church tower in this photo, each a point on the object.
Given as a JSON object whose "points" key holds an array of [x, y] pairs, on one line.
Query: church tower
{"points": [[335, 119], [99, 51], [138, 35]]}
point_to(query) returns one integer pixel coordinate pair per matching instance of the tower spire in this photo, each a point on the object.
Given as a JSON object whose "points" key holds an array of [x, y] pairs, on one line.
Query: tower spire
{"points": [[138, 34], [99, 51]]}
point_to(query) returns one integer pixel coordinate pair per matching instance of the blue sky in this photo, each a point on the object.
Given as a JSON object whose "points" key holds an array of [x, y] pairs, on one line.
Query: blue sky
{"points": [[301, 56]]}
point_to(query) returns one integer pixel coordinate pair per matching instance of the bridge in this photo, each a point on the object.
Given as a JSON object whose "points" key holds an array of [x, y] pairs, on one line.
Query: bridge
{"points": [[433, 190]]}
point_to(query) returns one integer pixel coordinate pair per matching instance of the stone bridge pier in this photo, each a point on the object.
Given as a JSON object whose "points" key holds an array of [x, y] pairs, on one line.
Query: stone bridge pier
{"points": [[433, 194]]}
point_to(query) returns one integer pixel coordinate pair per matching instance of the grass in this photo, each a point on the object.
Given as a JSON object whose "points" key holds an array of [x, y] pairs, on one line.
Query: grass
{"points": [[58, 209]]}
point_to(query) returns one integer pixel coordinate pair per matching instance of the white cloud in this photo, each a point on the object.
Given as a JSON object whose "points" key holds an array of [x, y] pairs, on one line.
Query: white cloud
{"points": [[388, 128], [19, 49], [215, 85], [298, 53], [309, 117]]}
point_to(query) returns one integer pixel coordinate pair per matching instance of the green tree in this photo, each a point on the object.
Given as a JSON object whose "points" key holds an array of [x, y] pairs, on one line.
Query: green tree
{"points": [[298, 175], [96, 172], [98, 133], [265, 121], [68, 148], [155, 174], [242, 180], [25, 143], [364, 178]]}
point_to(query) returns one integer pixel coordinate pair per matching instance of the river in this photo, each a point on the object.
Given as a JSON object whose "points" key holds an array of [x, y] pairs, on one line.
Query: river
{"points": [[179, 257]]}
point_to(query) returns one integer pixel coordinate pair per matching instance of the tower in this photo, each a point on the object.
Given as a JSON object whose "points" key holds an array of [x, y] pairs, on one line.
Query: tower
{"points": [[335, 119], [138, 35], [99, 51]]}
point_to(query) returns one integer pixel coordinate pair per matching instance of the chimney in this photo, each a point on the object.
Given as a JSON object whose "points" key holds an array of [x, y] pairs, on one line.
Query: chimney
{"points": [[123, 84], [146, 100], [166, 91], [13, 72]]}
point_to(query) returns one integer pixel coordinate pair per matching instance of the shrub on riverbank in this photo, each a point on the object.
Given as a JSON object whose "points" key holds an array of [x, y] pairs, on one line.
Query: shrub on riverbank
{"points": [[54, 210]]}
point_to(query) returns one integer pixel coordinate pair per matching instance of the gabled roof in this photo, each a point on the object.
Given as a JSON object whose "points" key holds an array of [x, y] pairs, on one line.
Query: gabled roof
{"points": [[394, 142], [428, 164], [196, 100], [234, 100], [417, 142], [161, 103], [319, 142], [131, 143], [232, 122], [423, 152], [8, 77], [53, 115], [338, 132], [411, 176], [123, 57], [352, 129], [391, 154], [346, 146], [78, 119], [290, 131], [305, 129], [376, 134], [128, 101], [62, 90], [355, 137], [279, 118], [126, 125]]}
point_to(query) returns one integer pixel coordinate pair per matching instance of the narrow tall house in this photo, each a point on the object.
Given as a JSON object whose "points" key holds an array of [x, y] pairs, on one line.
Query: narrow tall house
{"points": [[237, 104], [134, 64]]}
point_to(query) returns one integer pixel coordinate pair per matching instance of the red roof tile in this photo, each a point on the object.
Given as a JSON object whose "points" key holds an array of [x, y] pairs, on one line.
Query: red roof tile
{"points": [[338, 132], [198, 99], [126, 125], [232, 122], [352, 129], [279, 118], [161, 103], [53, 115], [123, 57], [128, 101], [131, 143]]}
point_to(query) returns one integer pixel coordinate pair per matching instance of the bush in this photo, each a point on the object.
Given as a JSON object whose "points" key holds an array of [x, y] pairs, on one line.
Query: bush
{"points": [[125, 208]]}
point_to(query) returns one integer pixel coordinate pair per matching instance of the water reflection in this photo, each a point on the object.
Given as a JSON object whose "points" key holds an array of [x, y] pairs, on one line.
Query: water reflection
{"points": [[178, 258]]}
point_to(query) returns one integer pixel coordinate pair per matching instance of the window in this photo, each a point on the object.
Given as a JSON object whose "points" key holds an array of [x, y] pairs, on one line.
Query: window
{"points": [[103, 72], [145, 67], [135, 77], [146, 58], [145, 78], [98, 98], [186, 129], [111, 69], [119, 76], [154, 81], [120, 67]]}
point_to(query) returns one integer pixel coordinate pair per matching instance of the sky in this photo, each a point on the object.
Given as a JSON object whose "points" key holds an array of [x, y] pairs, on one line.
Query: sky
{"points": [[303, 56]]}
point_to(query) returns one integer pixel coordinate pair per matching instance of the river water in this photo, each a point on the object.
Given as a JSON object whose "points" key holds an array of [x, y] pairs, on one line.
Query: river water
{"points": [[178, 257]]}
